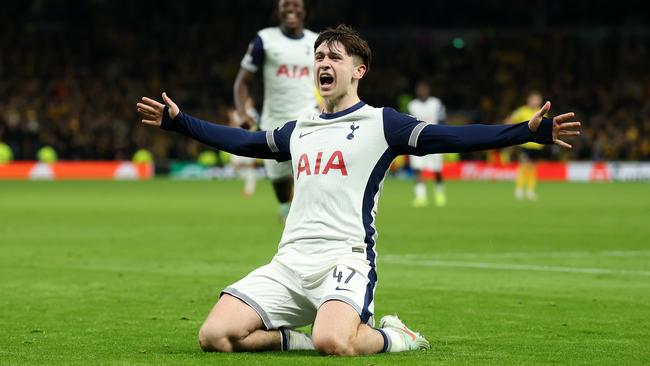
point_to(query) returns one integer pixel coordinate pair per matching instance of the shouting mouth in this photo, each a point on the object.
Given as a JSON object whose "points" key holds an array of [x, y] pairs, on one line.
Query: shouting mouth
{"points": [[326, 81]]}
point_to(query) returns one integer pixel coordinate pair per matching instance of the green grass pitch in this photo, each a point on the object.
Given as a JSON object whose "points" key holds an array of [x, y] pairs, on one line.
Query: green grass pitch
{"points": [[123, 273]]}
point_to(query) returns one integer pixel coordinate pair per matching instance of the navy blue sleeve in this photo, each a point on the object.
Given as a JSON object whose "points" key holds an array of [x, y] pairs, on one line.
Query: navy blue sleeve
{"points": [[407, 135], [254, 57], [260, 144], [281, 139], [257, 51]]}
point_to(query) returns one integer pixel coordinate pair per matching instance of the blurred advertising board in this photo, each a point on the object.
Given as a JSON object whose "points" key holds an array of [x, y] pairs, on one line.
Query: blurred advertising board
{"points": [[190, 170], [552, 171], [68, 170], [474, 170]]}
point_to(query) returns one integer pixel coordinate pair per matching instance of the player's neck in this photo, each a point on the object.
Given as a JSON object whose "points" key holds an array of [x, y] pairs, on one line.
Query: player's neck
{"points": [[292, 33], [340, 103]]}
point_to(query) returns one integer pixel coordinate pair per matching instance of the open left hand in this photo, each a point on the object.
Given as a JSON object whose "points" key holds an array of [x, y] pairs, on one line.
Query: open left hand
{"points": [[563, 125], [151, 111]]}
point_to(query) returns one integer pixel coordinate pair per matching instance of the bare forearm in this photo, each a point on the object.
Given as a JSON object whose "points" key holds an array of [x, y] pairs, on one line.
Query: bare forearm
{"points": [[242, 91]]}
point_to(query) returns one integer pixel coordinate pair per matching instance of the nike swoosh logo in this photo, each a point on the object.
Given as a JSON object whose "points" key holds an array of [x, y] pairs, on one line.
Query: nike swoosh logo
{"points": [[409, 333], [303, 134], [343, 289]]}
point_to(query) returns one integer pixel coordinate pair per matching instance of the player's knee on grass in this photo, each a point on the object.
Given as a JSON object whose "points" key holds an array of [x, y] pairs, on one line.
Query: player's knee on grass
{"points": [[213, 340], [333, 344], [215, 337]]}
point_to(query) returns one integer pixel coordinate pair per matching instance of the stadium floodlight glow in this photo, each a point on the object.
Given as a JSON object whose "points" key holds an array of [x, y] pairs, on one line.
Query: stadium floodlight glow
{"points": [[458, 43]]}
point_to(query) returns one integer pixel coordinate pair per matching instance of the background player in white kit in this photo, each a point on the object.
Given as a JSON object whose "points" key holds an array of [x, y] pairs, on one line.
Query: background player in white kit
{"points": [[325, 268], [286, 56], [428, 109]]}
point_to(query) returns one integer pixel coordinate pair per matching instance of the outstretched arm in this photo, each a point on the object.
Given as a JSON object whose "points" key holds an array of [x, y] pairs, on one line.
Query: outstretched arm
{"points": [[262, 144], [406, 135]]}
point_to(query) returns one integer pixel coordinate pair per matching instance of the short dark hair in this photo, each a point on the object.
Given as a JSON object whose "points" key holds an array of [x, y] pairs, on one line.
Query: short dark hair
{"points": [[354, 45]]}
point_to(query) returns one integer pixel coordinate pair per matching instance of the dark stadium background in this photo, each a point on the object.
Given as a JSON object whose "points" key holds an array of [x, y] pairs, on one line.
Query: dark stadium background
{"points": [[72, 71]]}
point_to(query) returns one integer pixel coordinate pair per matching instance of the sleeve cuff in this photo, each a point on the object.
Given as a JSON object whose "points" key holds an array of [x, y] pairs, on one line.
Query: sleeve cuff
{"points": [[167, 122], [248, 64], [544, 134]]}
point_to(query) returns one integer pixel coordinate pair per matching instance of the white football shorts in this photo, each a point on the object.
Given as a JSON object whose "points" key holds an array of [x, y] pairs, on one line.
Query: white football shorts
{"points": [[431, 162], [278, 171], [288, 291]]}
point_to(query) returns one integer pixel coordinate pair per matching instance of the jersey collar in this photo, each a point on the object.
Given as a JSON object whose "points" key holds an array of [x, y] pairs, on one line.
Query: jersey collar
{"points": [[302, 34], [343, 112]]}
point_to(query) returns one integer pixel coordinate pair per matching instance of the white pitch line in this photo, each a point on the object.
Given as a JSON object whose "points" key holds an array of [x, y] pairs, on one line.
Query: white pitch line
{"points": [[625, 253], [511, 266], [554, 254]]}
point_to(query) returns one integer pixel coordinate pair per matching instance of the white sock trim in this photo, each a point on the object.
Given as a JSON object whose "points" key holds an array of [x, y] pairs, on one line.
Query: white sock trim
{"points": [[396, 340], [295, 340]]}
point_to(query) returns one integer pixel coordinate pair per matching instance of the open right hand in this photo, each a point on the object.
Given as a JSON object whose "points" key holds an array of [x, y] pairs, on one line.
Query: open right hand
{"points": [[151, 111], [563, 125]]}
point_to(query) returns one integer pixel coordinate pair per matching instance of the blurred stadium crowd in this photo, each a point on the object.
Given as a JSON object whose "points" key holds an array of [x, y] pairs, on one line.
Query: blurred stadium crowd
{"points": [[70, 75]]}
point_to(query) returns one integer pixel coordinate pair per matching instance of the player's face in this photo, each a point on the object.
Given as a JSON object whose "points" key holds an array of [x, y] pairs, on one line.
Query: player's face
{"points": [[422, 91], [335, 70], [291, 13], [535, 100]]}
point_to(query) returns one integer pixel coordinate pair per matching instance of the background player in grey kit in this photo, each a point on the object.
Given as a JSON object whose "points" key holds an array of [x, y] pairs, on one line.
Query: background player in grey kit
{"points": [[429, 109], [285, 55], [325, 269]]}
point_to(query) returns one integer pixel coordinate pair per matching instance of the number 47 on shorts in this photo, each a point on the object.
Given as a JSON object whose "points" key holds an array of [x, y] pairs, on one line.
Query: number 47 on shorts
{"points": [[341, 272]]}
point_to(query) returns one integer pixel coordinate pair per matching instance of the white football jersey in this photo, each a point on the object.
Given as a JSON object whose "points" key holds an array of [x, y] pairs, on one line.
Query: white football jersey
{"points": [[342, 151], [339, 162], [288, 69], [431, 110]]}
